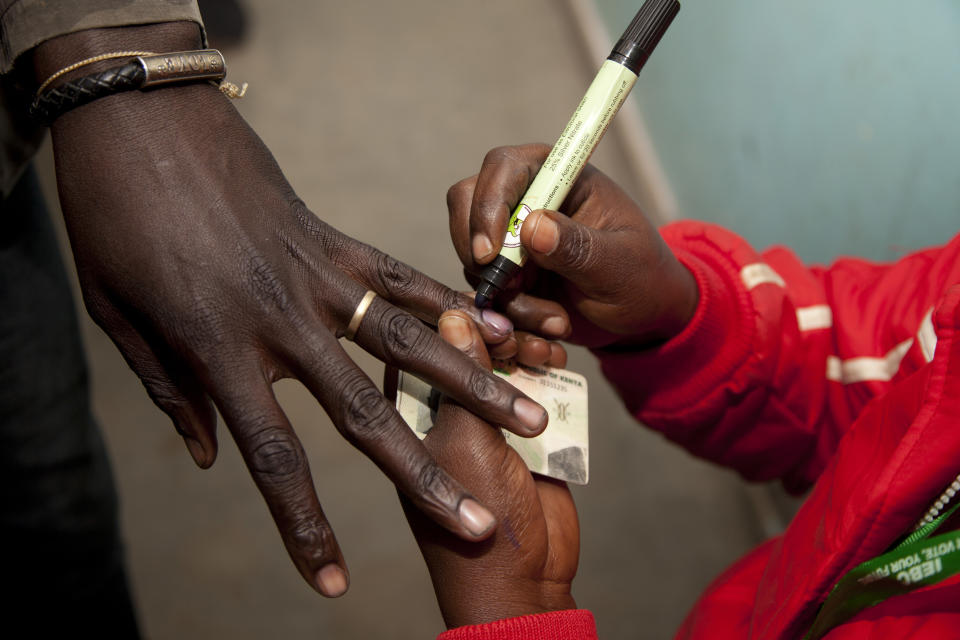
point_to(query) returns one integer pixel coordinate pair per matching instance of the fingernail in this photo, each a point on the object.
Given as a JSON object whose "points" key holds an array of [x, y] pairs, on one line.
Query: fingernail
{"points": [[554, 326], [475, 517], [498, 323], [332, 581], [456, 331], [482, 247], [532, 415], [197, 451], [546, 236]]}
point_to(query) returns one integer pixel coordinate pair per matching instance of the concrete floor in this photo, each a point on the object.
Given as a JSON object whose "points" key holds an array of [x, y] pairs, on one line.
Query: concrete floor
{"points": [[373, 109]]}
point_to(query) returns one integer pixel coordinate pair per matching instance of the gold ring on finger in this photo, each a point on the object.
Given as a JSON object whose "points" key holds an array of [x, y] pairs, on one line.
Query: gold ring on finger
{"points": [[357, 318]]}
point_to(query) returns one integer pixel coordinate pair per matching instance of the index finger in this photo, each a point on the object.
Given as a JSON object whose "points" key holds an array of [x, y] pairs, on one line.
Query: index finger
{"points": [[398, 339], [503, 179]]}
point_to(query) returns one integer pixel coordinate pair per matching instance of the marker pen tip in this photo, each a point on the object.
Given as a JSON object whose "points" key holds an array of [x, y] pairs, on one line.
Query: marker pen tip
{"points": [[481, 301]]}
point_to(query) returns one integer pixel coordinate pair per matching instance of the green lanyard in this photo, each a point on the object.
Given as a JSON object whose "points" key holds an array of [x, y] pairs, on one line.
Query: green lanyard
{"points": [[916, 562]]}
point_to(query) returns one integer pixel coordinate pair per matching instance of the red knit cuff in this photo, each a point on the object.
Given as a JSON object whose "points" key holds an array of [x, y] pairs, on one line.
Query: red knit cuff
{"points": [[674, 377], [573, 624]]}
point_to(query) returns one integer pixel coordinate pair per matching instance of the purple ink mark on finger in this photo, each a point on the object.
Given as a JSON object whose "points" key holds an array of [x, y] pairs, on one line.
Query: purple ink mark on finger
{"points": [[511, 536]]}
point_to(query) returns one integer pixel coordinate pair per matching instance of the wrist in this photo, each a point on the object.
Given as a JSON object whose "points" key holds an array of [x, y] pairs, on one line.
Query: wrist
{"points": [[681, 297], [573, 624], [62, 51], [678, 298], [502, 601]]}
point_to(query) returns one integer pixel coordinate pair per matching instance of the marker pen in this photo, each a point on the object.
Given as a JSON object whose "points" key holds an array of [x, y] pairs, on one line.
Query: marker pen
{"points": [[572, 151]]}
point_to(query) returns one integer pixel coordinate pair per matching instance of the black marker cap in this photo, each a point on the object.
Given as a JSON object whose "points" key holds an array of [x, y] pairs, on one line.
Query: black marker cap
{"points": [[495, 277], [648, 26]]}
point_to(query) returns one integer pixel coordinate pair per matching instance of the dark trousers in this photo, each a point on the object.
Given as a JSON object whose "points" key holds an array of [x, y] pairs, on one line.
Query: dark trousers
{"points": [[61, 560]]}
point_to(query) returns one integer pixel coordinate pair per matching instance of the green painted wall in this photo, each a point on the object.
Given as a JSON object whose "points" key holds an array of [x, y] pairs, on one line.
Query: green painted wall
{"points": [[828, 126]]}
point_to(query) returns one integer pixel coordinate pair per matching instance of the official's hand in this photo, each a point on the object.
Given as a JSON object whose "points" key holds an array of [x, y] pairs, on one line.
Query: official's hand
{"points": [[528, 564], [601, 274], [215, 280]]}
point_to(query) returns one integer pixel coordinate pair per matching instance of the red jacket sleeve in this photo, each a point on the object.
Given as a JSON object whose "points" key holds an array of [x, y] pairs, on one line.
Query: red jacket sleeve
{"points": [[575, 624], [780, 358]]}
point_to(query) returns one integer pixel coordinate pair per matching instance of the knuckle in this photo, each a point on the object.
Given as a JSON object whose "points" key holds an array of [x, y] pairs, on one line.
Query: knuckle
{"points": [[538, 155], [169, 400], [276, 457], [431, 484], [338, 247], [484, 389], [300, 240], [498, 155], [509, 161], [459, 193], [397, 279], [520, 155], [163, 392], [355, 258], [405, 337], [204, 319], [198, 326], [366, 416], [310, 533], [315, 228], [450, 299], [293, 245], [265, 284], [539, 150], [578, 249]]}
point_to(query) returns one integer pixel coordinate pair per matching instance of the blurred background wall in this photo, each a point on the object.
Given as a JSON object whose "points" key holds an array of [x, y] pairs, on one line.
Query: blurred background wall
{"points": [[776, 122], [829, 126]]}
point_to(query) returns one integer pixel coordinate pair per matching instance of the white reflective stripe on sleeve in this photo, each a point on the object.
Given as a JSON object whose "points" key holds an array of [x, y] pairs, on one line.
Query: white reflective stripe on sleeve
{"points": [[816, 317], [759, 273], [834, 369], [927, 337], [868, 369]]}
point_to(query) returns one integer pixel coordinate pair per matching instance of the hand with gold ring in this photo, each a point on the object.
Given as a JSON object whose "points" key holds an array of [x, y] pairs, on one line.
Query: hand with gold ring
{"points": [[215, 280]]}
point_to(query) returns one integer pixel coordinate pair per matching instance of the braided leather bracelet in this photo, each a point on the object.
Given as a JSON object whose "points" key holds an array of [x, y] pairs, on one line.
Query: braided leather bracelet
{"points": [[141, 72]]}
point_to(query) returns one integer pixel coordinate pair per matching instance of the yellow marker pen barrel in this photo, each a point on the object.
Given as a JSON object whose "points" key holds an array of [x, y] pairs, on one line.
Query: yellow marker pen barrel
{"points": [[570, 154]]}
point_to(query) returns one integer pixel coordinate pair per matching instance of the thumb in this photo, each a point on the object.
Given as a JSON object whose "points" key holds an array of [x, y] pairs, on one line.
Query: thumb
{"points": [[457, 328], [556, 243]]}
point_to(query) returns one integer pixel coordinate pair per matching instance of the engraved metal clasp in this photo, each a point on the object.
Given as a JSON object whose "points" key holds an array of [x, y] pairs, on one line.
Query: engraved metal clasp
{"points": [[206, 64]]}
